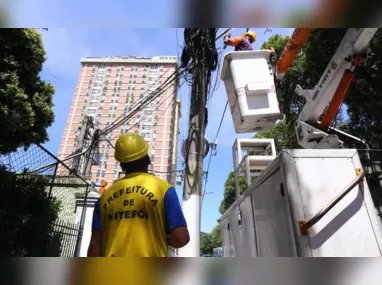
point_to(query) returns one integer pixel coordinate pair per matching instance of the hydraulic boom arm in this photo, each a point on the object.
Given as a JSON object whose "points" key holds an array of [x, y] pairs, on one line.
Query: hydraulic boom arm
{"points": [[331, 88]]}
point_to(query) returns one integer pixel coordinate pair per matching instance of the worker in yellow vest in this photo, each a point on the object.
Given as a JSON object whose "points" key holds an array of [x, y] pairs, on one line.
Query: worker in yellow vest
{"points": [[139, 215]]}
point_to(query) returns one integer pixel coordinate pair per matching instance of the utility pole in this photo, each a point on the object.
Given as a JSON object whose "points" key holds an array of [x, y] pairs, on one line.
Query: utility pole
{"points": [[90, 156], [200, 47], [87, 140], [80, 144]]}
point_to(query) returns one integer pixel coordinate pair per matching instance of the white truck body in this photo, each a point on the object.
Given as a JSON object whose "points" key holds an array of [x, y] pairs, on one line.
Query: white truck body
{"points": [[293, 188]]}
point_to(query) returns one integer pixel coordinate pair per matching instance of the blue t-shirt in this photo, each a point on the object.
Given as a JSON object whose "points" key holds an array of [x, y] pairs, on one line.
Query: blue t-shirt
{"points": [[172, 210]]}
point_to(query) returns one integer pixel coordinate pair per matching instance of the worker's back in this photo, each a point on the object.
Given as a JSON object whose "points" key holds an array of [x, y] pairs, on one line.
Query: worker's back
{"points": [[132, 217]]}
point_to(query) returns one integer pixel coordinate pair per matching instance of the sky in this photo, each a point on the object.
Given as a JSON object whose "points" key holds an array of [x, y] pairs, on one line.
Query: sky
{"points": [[65, 48]]}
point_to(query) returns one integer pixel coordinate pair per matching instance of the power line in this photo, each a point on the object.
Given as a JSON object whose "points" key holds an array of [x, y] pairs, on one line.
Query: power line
{"points": [[157, 92], [139, 105], [168, 105], [209, 160], [156, 82], [221, 121], [184, 127]]}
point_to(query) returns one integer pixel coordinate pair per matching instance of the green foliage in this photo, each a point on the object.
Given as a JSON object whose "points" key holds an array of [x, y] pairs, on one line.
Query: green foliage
{"points": [[230, 192], [209, 241], [216, 236], [24, 98], [282, 133], [276, 41], [27, 216], [206, 246], [364, 99]]}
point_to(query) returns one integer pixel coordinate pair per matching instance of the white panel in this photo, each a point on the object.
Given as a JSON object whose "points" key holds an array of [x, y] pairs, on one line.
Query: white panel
{"points": [[225, 230], [248, 79], [346, 230], [245, 233], [274, 234], [87, 230]]}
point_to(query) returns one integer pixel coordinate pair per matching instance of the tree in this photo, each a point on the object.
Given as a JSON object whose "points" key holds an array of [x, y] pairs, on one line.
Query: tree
{"points": [[282, 133], [25, 99], [364, 99], [209, 241], [206, 246], [230, 192], [216, 236], [27, 216]]}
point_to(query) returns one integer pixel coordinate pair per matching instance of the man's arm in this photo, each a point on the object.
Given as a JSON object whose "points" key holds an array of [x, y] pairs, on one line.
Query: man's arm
{"points": [[95, 240], [176, 225], [94, 249], [232, 42]]}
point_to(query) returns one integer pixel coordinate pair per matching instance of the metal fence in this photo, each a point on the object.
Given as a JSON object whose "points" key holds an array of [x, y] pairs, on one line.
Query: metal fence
{"points": [[38, 213]]}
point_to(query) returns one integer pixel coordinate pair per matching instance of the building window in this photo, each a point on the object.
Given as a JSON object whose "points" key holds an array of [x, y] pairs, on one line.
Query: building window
{"points": [[91, 112], [93, 104]]}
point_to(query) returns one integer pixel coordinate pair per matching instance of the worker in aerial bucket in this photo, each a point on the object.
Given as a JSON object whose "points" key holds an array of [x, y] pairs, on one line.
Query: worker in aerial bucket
{"points": [[244, 42], [241, 43], [139, 215]]}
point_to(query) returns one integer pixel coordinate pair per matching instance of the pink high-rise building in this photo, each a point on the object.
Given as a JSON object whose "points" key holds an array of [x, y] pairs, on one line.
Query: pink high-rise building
{"points": [[109, 87]]}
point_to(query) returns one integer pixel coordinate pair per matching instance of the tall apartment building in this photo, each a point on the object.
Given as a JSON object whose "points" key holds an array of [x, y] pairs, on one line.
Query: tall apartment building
{"points": [[109, 87]]}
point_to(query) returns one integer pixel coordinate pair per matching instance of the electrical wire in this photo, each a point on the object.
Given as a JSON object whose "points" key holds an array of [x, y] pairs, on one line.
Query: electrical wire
{"points": [[209, 160], [142, 104], [157, 81], [157, 92], [168, 105], [167, 172], [217, 81]]}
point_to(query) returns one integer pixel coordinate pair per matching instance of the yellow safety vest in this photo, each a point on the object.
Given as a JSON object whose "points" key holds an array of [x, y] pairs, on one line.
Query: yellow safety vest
{"points": [[132, 217]]}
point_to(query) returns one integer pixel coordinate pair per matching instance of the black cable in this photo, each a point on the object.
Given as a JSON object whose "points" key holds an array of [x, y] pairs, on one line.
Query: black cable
{"points": [[221, 121], [139, 106], [110, 143], [168, 105], [209, 161], [267, 30], [158, 92], [217, 81], [164, 172]]}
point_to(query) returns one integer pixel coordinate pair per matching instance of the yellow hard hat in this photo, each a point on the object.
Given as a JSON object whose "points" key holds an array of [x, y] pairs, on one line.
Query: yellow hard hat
{"points": [[130, 147], [250, 33]]}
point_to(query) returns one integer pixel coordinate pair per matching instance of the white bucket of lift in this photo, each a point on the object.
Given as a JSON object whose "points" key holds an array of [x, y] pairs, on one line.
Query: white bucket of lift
{"points": [[249, 82]]}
